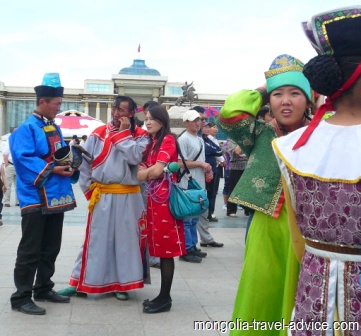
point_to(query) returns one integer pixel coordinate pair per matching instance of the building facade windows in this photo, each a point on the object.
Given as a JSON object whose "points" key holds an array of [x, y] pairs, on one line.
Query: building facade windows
{"points": [[174, 90], [66, 106], [18, 111], [96, 87]]}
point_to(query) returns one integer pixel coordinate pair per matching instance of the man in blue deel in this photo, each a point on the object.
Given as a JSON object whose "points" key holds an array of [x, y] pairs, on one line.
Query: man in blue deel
{"points": [[45, 193]]}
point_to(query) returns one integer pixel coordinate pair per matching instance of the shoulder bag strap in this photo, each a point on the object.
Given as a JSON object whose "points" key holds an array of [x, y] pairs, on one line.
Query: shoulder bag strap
{"points": [[186, 170]]}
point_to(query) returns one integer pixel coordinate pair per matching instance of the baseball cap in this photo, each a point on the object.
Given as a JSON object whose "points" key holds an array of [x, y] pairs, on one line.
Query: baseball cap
{"points": [[190, 115]]}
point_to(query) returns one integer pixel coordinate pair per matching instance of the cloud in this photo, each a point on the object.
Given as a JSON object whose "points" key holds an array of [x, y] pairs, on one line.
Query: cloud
{"points": [[222, 46]]}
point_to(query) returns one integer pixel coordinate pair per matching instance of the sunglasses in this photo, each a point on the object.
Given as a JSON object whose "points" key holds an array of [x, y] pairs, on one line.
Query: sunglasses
{"points": [[203, 119]]}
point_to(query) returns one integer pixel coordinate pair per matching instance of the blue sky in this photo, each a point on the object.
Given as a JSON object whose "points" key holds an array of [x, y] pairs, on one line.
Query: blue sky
{"points": [[223, 46]]}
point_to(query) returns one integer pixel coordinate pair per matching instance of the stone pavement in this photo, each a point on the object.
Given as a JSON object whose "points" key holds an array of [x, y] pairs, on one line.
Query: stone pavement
{"points": [[201, 292]]}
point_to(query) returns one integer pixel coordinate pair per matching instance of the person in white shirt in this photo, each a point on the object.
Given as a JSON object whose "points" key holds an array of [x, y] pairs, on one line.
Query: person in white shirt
{"points": [[83, 139], [10, 174], [74, 141], [193, 151], [2, 187]]}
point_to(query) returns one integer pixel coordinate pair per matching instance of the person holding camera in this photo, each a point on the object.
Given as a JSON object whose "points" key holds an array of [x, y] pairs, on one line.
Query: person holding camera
{"points": [[45, 193]]}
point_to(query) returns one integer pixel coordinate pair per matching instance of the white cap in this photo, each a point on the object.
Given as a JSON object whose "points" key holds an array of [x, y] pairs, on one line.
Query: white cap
{"points": [[190, 115]]}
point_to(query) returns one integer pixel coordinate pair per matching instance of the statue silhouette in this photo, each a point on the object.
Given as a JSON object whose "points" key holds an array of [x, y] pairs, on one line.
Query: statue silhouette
{"points": [[188, 94]]}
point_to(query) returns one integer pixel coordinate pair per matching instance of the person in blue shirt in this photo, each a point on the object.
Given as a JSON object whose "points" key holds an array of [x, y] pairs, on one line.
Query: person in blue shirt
{"points": [[45, 193]]}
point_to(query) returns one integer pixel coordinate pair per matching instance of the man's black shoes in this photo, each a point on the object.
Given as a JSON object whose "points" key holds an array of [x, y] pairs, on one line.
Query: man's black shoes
{"points": [[212, 244], [31, 308], [52, 296]]}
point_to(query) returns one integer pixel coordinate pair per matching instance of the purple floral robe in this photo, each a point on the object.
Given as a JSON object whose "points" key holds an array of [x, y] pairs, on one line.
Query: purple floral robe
{"points": [[328, 212]]}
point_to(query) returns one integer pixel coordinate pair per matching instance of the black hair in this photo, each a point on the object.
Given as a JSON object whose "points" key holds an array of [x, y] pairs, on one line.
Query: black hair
{"points": [[47, 99], [138, 122], [327, 74], [149, 104], [132, 107], [199, 109], [131, 103], [263, 111], [160, 114]]}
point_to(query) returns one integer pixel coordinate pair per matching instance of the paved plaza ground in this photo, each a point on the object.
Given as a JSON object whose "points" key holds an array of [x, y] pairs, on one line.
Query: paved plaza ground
{"points": [[200, 292]]}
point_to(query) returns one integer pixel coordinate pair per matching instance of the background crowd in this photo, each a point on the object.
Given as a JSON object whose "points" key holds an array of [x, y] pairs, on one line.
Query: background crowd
{"points": [[282, 164]]}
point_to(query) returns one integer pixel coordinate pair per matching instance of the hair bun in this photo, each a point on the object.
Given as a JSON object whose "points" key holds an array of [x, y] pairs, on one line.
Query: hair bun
{"points": [[324, 74]]}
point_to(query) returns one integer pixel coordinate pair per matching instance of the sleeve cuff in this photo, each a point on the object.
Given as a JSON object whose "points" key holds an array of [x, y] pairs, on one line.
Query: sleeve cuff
{"points": [[244, 101]]}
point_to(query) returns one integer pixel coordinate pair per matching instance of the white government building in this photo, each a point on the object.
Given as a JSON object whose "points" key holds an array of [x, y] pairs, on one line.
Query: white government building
{"points": [[95, 98]]}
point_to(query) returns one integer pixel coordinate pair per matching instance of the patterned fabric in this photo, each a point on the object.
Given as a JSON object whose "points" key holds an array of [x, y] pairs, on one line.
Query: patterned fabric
{"points": [[113, 256], [326, 198], [236, 162], [284, 63], [260, 187], [165, 233], [329, 212], [335, 32], [287, 70], [266, 292], [36, 187], [321, 280]]}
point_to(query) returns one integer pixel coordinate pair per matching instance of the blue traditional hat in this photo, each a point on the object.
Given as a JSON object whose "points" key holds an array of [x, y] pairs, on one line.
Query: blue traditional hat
{"points": [[50, 87], [287, 70]]}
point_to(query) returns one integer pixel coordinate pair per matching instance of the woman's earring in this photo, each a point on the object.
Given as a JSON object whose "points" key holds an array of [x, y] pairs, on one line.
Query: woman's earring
{"points": [[308, 113]]}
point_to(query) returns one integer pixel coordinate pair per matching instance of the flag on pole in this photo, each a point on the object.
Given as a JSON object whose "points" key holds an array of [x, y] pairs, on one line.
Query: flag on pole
{"points": [[139, 47]]}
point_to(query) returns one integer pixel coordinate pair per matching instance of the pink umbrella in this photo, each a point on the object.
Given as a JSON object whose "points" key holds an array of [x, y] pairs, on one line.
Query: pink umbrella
{"points": [[76, 124]]}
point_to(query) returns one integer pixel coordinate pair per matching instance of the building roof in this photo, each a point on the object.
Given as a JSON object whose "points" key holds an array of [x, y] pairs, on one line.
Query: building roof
{"points": [[139, 68]]}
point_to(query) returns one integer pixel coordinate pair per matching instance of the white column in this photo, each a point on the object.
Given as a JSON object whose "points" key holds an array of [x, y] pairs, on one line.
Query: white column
{"points": [[97, 111], [1, 117], [155, 94], [109, 112], [86, 108]]}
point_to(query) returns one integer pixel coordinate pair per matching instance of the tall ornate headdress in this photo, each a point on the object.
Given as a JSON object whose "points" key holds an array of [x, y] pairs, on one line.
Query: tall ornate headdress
{"points": [[333, 33]]}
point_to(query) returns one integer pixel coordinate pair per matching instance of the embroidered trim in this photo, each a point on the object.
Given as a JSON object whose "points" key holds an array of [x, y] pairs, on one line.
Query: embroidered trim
{"points": [[326, 275], [320, 26], [278, 71], [357, 247], [235, 122], [319, 178]]}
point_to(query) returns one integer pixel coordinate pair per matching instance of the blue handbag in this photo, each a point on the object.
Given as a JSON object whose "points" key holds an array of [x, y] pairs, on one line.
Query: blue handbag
{"points": [[190, 202]]}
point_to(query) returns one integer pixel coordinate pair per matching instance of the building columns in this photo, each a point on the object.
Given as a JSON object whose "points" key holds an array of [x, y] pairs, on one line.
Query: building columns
{"points": [[109, 112], [2, 117], [97, 111], [86, 108]]}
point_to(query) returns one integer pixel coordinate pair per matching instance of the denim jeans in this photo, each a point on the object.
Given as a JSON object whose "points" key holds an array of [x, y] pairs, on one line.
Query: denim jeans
{"points": [[190, 233]]}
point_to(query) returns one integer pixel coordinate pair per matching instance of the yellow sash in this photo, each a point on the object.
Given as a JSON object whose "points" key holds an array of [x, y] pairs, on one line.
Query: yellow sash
{"points": [[99, 188]]}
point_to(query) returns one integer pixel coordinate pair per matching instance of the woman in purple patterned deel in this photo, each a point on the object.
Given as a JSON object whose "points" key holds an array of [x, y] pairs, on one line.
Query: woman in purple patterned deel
{"points": [[321, 168]]}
